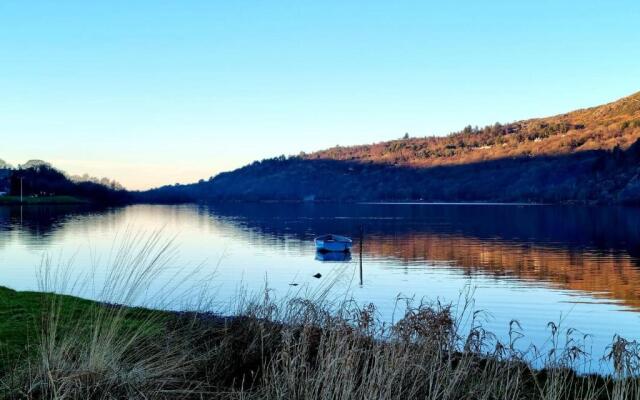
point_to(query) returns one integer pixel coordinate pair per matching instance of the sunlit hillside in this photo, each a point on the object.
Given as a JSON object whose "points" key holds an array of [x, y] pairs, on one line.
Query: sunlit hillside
{"points": [[603, 127]]}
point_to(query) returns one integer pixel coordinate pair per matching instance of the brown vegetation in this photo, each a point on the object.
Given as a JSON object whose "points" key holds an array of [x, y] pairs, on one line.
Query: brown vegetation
{"points": [[604, 127], [298, 349]]}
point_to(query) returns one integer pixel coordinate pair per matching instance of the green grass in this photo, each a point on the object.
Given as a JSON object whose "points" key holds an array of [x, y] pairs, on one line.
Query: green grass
{"points": [[24, 315], [12, 200], [19, 312]]}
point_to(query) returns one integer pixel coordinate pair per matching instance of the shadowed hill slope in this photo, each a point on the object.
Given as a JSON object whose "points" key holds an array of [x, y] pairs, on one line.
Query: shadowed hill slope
{"points": [[590, 155]]}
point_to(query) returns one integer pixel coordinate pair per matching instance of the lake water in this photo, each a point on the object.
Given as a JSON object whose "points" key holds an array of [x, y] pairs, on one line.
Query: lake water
{"points": [[577, 265]]}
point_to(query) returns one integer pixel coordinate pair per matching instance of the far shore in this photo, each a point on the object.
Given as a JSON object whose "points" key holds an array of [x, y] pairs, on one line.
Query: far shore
{"points": [[31, 200]]}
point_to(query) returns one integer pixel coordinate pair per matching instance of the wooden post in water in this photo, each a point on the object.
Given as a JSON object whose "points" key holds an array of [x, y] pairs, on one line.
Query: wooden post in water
{"points": [[361, 241]]}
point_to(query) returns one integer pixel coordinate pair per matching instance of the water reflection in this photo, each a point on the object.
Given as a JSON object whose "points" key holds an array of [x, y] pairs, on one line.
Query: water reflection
{"points": [[36, 224], [603, 274], [589, 249], [333, 256], [527, 262], [601, 229]]}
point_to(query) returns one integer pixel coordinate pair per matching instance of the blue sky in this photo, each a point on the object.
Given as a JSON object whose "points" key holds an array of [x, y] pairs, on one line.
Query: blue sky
{"points": [[153, 92]]}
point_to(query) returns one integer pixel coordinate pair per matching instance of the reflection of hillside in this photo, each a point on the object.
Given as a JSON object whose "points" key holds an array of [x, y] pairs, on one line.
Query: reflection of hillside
{"points": [[609, 229], [577, 228], [575, 248], [37, 225], [609, 276]]}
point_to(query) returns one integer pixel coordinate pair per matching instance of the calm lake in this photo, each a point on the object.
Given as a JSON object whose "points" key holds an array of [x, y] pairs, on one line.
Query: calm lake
{"points": [[576, 265]]}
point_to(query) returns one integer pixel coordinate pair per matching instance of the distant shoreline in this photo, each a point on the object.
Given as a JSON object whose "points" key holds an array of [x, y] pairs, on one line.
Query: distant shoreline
{"points": [[44, 200], [455, 203], [71, 200]]}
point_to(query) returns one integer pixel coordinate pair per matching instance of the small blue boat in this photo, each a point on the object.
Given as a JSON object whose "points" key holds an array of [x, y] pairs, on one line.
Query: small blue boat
{"points": [[333, 243]]}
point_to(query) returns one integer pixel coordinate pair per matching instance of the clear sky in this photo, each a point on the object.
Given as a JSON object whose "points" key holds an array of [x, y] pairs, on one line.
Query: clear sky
{"points": [[158, 92]]}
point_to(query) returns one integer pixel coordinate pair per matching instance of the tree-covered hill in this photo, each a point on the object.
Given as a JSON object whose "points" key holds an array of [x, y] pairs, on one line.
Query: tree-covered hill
{"points": [[590, 155], [39, 182], [604, 127]]}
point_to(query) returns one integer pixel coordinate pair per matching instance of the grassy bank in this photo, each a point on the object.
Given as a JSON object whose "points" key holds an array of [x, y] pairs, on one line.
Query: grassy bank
{"points": [[15, 200], [24, 316], [64, 347]]}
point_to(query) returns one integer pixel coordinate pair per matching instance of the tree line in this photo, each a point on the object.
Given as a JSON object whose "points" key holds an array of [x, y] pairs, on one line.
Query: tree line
{"points": [[40, 179]]}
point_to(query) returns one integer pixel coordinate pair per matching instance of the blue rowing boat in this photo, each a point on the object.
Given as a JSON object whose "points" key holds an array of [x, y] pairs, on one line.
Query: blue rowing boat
{"points": [[333, 243]]}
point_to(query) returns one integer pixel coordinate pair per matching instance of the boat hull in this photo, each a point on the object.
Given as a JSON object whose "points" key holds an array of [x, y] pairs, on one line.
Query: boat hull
{"points": [[333, 256]]}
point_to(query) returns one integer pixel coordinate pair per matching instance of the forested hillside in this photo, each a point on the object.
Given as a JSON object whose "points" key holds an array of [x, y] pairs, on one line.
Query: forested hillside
{"points": [[597, 128], [590, 155]]}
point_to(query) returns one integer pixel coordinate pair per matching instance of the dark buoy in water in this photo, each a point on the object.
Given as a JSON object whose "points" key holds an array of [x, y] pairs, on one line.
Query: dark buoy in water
{"points": [[318, 275]]}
